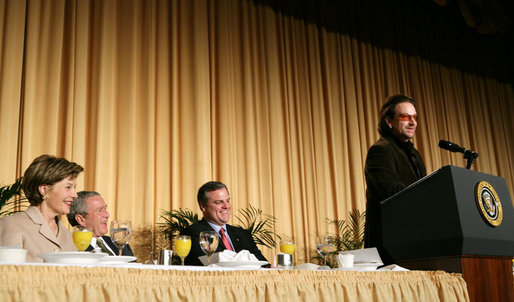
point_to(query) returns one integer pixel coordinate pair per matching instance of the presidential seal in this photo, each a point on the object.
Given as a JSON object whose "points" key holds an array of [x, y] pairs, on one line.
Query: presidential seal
{"points": [[488, 203]]}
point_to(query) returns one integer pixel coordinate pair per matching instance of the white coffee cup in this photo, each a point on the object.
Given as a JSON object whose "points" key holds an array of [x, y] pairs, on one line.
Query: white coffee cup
{"points": [[12, 255], [345, 260]]}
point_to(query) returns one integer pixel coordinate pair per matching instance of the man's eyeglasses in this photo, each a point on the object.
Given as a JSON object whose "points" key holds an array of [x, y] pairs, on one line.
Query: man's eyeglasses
{"points": [[404, 117]]}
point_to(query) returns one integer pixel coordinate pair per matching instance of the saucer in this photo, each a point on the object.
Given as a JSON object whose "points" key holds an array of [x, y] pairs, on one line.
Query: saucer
{"points": [[72, 257], [116, 259]]}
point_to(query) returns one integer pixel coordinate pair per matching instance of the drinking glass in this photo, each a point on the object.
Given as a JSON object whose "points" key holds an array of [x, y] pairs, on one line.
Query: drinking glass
{"points": [[120, 233], [325, 246], [182, 245], [287, 246], [209, 243], [82, 237]]}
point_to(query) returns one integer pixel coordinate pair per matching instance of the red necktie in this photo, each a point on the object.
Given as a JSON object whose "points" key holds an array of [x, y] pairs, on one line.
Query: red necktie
{"points": [[224, 239]]}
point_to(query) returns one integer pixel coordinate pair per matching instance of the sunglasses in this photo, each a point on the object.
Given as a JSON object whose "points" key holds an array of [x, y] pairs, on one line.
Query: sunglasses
{"points": [[404, 117]]}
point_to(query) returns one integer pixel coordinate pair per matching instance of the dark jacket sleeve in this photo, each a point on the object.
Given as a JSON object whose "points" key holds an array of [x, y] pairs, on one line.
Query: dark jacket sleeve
{"points": [[383, 171], [243, 240]]}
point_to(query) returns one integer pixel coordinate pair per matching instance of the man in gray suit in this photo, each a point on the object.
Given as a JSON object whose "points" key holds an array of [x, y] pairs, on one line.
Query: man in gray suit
{"points": [[89, 209], [392, 164]]}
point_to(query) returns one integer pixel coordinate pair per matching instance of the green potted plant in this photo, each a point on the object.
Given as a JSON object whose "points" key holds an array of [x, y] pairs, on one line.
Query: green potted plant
{"points": [[12, 199], [350, 233], [349, 236], [260, 225], [174, 222]]}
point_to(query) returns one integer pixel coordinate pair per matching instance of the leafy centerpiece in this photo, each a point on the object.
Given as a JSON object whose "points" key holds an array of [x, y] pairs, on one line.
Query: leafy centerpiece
{"points": [[349, 236]]}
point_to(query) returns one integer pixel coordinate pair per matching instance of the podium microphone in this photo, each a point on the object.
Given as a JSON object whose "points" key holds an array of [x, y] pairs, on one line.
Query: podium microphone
{"points": [[468, 154], [451, 146]]}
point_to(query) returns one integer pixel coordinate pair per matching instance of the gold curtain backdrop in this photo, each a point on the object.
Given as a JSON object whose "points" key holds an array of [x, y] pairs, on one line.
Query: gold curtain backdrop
{"points": [[154, 98]]}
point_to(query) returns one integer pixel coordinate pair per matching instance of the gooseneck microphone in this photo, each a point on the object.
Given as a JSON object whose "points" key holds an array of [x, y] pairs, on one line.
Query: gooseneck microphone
{"points": [[470, 155], [451, 146]]}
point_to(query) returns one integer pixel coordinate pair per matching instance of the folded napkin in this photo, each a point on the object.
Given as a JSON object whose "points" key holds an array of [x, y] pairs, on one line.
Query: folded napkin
{"points": [[242, 256], [365, 256], [393, 267], [230, 256]]}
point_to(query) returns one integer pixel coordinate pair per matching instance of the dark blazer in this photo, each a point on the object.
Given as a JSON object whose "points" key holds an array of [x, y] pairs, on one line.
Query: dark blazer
{"points": [[241, 240], [387, 171], [127, 251]]}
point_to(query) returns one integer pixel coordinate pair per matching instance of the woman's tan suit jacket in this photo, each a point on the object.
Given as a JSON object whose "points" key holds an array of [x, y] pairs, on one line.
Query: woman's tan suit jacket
{"points": [[30, 231]]}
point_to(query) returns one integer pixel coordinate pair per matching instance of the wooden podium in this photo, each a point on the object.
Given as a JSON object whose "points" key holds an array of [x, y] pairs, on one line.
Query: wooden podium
{"points": [[456, 220]]}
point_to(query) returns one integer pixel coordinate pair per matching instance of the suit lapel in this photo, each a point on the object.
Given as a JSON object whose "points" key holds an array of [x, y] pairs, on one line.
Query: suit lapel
{"points": [[205, 225], [44, 228], [111, 244], [404, 157]]}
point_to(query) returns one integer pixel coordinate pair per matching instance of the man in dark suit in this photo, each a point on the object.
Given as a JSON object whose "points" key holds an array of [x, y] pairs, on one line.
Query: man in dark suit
{"points": [[392, 164], [214, 201], [89, 209]]}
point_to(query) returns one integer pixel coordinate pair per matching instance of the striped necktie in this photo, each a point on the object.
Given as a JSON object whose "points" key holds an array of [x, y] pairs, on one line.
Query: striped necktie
{"points": [[225, 241], [100, 243]]}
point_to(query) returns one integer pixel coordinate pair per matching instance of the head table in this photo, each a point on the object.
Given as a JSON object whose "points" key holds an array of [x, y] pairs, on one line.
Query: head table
{"points": [[137, 282]]}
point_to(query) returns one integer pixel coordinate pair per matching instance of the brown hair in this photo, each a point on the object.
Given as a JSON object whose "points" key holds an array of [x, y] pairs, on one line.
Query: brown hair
{"points": [[203, 192], [389, 110], [46, 170]]}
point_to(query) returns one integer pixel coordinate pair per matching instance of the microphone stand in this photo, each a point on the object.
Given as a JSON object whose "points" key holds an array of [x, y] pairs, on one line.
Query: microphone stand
{"points": [[471, 156]]}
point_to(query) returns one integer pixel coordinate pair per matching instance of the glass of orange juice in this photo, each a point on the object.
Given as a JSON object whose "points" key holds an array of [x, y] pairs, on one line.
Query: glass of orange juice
{"points": [[287, 245], [182, 246], [82, 237]]}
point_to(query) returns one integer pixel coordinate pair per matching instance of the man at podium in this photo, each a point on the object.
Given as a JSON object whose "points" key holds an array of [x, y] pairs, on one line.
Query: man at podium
{"points": [[392, 163]]}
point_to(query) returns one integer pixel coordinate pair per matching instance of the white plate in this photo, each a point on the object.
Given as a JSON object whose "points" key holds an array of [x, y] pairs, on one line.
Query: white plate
{"points": [[116, 259], [72, 257], [244, 264]]}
